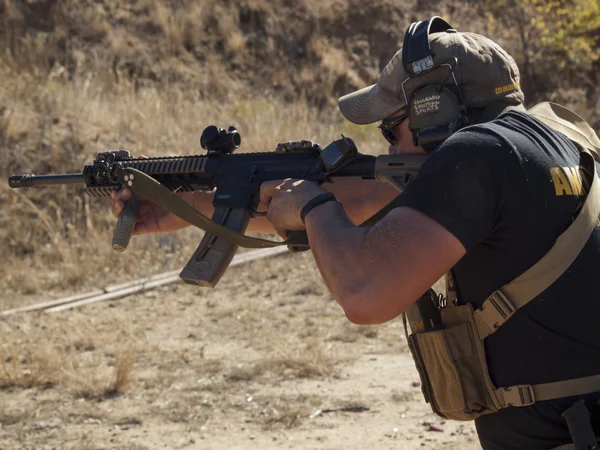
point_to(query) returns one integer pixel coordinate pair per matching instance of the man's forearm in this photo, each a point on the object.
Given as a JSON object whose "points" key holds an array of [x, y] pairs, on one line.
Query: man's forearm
{"points": [[336, 245], [361, 198], [336, 240]]}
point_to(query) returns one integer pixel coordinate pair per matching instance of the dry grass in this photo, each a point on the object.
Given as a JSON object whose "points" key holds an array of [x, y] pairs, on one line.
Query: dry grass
{"points": [[288, 361], [123, 375], [68, 358], [289, 411], [84, 374], [352, 333], [23, 367], [9, 376]]}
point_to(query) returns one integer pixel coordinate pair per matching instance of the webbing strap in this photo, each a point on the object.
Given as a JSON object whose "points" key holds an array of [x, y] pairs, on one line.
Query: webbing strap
{"points": [[568, 123], [525, 395], [503, 303], [146, 187]]}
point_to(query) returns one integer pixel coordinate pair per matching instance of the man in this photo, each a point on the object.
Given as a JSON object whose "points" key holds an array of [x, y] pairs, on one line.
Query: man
{"points": [[488, 203]]}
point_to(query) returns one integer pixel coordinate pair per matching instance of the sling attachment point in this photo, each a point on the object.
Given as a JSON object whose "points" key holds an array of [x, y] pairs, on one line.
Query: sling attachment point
{"points": [[496, 310], [521, 395]]}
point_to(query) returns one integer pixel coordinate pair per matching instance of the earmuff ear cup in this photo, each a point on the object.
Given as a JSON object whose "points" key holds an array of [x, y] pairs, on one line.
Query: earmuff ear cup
{"points": [[434, 115], [433, 105], [435, 112]]}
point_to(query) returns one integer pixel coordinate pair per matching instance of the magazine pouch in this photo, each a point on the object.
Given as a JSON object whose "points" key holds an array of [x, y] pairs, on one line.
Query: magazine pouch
{"points": [[452, 365]]}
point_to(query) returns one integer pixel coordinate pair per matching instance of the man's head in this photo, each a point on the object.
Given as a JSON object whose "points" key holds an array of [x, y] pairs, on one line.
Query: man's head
{"points": [[484, 72]]}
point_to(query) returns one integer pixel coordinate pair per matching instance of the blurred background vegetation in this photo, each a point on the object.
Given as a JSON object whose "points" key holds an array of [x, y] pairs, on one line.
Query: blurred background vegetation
{"points": [[79, 77]]}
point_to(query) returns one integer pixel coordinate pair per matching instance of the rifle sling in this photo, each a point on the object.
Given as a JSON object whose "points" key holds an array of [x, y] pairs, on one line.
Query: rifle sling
{"points": [[146, 187]]}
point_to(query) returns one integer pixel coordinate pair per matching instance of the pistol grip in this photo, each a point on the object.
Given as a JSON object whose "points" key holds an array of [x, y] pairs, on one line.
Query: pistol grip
{"points": [[213, 255], [125, 224]]}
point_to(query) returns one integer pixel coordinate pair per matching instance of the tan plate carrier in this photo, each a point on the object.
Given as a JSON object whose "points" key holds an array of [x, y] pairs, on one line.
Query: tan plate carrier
{"points": [[451, 361]]}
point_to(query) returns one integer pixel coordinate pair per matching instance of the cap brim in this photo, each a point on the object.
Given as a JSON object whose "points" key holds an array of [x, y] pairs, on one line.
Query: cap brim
{"points": [[369, 105]]}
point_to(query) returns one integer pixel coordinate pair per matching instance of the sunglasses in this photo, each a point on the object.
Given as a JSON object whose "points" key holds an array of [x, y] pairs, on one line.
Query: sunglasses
{"points": [[387, 127]]}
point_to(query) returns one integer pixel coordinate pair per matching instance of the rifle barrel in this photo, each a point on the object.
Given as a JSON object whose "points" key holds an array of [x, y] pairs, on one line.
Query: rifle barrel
{"points": [[29, 180]]}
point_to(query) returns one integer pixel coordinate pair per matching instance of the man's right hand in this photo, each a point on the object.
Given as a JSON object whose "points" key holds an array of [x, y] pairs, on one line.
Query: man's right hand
{"points": [[152, 218]]}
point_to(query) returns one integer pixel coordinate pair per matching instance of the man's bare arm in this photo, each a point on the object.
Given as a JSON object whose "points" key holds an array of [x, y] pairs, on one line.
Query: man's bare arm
{"points": [[376, 273]]}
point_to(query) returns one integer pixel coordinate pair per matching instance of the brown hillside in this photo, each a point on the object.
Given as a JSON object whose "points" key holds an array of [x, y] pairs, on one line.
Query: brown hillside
{"points": [[319, 50], [314, 49]]}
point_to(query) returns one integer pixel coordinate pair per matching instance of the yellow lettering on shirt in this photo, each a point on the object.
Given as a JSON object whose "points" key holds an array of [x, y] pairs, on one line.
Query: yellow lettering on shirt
{"points": [[572, 181], [572, 174], [561, 184]]}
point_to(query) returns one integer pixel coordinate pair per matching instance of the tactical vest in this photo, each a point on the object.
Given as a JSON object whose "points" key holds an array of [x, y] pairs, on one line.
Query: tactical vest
{"points": [[447, 340]]}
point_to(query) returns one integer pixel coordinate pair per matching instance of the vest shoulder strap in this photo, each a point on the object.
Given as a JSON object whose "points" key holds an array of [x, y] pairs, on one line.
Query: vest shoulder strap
{"points": [[504, 302], [568, 123]]}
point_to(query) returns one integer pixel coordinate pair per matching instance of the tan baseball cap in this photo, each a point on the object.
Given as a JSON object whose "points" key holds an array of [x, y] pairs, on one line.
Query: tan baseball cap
{"points": [[484, 72]]}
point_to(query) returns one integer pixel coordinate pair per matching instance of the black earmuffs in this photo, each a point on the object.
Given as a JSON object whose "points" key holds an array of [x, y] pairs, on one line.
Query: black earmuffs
{"points": [[435, 111]]}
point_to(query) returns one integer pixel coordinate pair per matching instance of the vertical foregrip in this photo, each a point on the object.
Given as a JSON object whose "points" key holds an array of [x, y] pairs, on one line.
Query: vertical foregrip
{"points": [[125, 224]]}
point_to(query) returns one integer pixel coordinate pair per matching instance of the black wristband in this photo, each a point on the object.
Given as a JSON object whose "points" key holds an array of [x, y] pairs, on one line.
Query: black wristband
{"points": [[316, 201]]}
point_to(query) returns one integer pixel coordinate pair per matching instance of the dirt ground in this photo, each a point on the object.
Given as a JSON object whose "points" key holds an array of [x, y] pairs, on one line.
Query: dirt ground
{"points": [[265, 360]]}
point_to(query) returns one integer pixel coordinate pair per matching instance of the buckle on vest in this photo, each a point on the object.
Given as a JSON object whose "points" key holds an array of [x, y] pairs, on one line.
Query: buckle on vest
{"points": [[521, 395], [500, 313]]}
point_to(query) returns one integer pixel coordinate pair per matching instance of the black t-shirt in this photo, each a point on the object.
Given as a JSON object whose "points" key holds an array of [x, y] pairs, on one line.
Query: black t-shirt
{"points": [[507, 189]]}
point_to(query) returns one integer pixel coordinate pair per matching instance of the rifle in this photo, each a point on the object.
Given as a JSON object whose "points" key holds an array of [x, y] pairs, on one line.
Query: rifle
{"points": [[237, 179]]}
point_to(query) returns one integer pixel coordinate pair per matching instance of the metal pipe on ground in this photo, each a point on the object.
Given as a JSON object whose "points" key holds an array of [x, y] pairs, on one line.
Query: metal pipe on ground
{"points": [[132, 287]]}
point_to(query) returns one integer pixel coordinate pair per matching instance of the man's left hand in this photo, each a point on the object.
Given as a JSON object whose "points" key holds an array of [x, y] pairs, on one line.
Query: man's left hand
{"points": [[284, 200]]}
